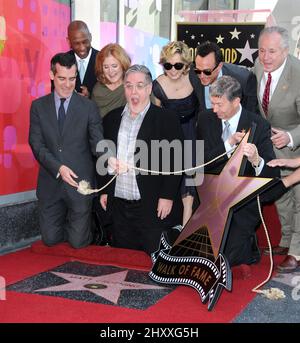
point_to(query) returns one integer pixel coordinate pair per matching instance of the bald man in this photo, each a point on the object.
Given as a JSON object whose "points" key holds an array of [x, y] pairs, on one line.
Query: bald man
{"points": [[79, 39]]}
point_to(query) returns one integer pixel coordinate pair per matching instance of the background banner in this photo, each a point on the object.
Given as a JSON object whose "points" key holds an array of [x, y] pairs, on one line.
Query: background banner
{"points": [[238, 41]]}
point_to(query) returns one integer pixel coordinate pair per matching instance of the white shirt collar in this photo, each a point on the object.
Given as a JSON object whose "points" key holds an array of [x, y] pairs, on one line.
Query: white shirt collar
{"points": [[276, 73], [234, 120], [86, 60]]}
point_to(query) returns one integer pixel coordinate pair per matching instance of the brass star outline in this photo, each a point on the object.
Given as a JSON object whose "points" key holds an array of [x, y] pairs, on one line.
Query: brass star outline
{"points": [[108, 286], [218, 195]]}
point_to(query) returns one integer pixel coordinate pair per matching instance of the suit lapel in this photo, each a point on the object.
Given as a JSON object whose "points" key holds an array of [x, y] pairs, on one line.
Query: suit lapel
{"points": [[282, 87], [51, 113], [147, 124], [244, 123], [260, 73], [71, 113]]}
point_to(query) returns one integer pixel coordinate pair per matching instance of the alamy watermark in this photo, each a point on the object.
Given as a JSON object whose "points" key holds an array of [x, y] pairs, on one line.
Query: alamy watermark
{"points": [[161, 156], [2, 288]]}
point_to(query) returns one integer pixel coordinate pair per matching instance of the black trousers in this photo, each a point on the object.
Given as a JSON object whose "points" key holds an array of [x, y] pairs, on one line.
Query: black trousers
{"points": [[130, 228], [240, 247]]}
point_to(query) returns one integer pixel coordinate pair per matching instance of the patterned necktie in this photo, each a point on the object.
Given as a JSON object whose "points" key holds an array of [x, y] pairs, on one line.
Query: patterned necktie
{"points": [[266, 96], [226, 132], [81, 70], [61, 115]]}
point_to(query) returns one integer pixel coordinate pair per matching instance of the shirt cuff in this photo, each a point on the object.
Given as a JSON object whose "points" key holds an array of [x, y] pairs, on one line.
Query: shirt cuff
{"points": [[259, 168], [291, 143]]}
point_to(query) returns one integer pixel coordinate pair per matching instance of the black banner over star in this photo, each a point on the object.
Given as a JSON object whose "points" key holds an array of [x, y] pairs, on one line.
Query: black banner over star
{"points": [[238, 41]]}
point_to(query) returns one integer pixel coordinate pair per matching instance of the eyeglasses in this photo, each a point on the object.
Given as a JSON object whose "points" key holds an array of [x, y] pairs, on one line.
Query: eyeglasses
{"points": [[138, 86], [206, 72], [177, 66]]}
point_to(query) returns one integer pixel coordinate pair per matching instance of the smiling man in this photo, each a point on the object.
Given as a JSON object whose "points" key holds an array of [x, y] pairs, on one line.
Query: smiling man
{"points": [[64, 131], [142, 205], [278, 91], [221, 130], [209, 66], [79, 39]]}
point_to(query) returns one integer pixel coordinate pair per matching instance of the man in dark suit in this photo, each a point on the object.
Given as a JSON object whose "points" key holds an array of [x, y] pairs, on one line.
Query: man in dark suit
{"points": [[64, 131], [222, 130], [80, 38], [209, 66], [142, 204]]}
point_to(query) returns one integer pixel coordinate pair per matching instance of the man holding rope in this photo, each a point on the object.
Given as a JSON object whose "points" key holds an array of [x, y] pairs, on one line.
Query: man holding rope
{"points": [[142, 205], [221, 131]]}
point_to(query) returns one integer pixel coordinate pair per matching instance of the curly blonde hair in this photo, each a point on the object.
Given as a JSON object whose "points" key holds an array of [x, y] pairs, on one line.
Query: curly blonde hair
{"points": [[115, 50], [176, 47]]}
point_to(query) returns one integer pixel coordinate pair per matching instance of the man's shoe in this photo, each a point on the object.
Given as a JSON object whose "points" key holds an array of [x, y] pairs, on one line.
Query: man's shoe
{"points": [[289, 265], [278, 250]]}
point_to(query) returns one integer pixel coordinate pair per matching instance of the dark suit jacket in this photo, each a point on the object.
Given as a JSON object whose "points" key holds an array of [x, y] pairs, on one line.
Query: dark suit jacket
{"points": [[210, 130], [75, 148], [245, 77], [245, 219], [158, 124], [90, 76]]}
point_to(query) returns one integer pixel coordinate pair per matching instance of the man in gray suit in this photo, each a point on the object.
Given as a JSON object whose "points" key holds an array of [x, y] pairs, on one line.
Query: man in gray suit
{"points": [[278, 92], [209, 66], [64, 131]]}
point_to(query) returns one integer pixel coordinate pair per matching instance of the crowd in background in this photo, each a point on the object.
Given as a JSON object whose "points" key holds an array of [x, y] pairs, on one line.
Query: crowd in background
{"points": [[99, 95]]}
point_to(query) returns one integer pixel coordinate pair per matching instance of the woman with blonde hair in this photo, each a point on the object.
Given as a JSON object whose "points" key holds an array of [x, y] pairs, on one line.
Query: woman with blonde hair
{"points": [[112, 61], [173, 90]]}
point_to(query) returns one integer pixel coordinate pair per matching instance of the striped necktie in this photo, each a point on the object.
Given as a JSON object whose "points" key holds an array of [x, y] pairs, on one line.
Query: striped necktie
{"points": [[266, 96], [226, 131]]}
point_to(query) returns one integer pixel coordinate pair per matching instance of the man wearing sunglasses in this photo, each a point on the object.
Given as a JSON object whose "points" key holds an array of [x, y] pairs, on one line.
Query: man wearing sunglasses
{"points": [[209, 67]]}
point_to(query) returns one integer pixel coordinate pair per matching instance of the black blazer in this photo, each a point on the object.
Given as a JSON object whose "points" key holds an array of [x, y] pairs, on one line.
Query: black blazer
{"points": [[158, 124], [209, 129], [75, 148], [246, 78], [90, 76], [245, 219]]}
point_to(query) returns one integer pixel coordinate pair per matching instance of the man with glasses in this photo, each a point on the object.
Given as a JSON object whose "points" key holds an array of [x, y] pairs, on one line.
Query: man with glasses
{"points": [[209, 67], [142, 204]]}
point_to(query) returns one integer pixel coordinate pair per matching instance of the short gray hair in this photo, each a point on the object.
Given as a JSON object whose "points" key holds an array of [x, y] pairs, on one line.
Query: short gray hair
{"points": [[226, 85], [281, 31], [139, 68]]}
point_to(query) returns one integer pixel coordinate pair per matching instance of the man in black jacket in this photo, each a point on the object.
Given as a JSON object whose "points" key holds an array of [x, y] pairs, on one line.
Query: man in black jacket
{"points": [[209, 66], [80, 38], [222, 129], [142, 205]]}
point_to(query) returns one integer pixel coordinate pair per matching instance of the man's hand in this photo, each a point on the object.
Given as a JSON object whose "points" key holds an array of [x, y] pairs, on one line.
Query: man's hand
{"points": [[250, 151], [279, 138], [67, 175], [236, 138], [117, 166], [84, 91], [103, 201], [285, 162], [164, 208]]}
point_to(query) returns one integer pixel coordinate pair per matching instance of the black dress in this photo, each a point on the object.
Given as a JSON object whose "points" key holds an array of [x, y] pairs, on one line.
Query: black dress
{"points": [[186, 109]]}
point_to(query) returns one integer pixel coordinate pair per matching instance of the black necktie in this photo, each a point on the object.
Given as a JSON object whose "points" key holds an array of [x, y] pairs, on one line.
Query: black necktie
{"points": [[61, 115]]}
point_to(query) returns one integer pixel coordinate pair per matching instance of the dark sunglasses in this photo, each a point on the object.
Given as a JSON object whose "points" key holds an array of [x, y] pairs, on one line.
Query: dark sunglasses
{"points": [[206, 72], [177, 66]]}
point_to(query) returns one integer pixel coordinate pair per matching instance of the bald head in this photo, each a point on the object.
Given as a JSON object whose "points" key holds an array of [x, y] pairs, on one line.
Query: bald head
{"points": [[78, 25], [79, 38]]}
